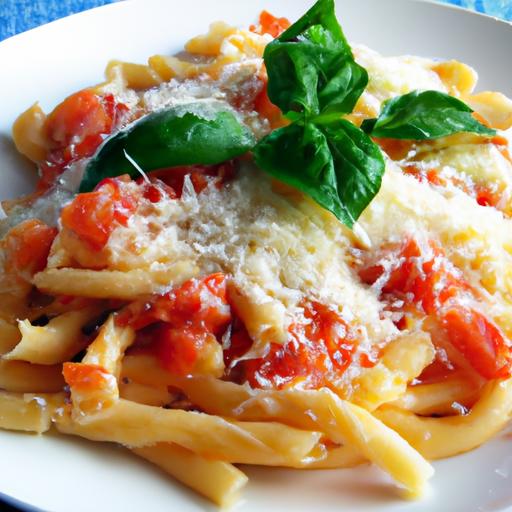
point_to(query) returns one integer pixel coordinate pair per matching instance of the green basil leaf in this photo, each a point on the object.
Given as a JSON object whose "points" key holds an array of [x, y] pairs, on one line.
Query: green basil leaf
{"points": [[335, 163], [424, 115], [311, 68], [192, 134]]}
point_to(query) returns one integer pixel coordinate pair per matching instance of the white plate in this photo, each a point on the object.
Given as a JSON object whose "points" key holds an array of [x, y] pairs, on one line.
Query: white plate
{"points": [[63, 474]]}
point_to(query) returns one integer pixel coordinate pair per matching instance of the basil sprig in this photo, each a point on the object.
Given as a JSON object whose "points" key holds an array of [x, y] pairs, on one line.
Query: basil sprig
{"points": [[311, 68], [336, 164], [424, 115], [189, 134], [314, 79]]}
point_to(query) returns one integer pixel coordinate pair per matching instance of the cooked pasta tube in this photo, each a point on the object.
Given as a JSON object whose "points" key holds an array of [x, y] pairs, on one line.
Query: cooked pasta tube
{"points": [[142, 394], [442, 437], [112, 284], [23, 377], [341, 421], [93, 382], [440, 397], [402, 361], [219, 481], [9, 336], [134, 76], [338, 457], [28, 412], [54, 343], [495, 107], [135, 425], [109, 346], [29, 135]]}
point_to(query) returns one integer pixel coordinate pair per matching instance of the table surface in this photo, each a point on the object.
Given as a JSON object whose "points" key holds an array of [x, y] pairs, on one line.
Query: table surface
{"points": [[19, 15]]}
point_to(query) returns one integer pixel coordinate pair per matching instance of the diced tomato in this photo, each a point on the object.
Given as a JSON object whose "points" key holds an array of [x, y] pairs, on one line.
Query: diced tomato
{"points": [[76, 128], [94, 215], [27, 246], [268, 110], [479, 340], [430, 288], [483, 195], [317, 354], [427, 277], [156, 190], [202, 302], [200, 176], [179, 348], [84, 377], [179, 325], [269, 24], [79, 116]]}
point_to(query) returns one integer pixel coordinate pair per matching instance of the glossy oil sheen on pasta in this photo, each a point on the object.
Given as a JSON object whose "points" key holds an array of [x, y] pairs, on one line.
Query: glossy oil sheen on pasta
{"points": [[289, 339]]}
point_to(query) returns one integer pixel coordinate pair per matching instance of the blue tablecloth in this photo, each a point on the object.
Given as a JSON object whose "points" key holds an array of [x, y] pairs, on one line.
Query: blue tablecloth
{"points": [[20, 15]]}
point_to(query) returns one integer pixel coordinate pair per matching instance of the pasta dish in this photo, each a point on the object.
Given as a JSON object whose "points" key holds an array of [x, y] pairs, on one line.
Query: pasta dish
{"points": [[273, 248]]}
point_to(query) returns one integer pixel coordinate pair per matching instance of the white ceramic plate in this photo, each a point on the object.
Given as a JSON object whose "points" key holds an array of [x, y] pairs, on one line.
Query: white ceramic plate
{"points": [[66, 474]]}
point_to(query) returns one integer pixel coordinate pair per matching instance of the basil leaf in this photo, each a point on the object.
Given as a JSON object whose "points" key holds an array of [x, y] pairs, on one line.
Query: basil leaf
{"points": [[424, 115], [197, 133], [335, 163], [311, 68]]}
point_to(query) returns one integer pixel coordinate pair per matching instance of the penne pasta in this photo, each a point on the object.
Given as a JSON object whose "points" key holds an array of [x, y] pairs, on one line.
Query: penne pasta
{"points": [[101, 284], [54, 343], [219, 481]]}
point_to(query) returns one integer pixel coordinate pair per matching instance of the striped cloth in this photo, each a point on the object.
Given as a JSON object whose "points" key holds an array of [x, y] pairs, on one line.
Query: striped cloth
{"points": [[20, 15]]}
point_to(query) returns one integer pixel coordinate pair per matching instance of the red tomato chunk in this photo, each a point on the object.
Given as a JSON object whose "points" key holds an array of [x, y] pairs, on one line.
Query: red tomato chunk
{"points": [[27, 246], [76, 128], [430, 286]]}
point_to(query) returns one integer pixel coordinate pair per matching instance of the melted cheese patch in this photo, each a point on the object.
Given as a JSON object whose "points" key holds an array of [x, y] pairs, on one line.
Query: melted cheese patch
{"points": [[276, 252]]}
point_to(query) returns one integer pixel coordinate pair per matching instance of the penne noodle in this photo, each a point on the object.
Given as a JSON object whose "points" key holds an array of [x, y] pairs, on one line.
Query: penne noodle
{"points": [[266, 443], [101, 284], [23, 377], [218, 481], [443, 398], [54, 343], [27, 411], [435, 438]]}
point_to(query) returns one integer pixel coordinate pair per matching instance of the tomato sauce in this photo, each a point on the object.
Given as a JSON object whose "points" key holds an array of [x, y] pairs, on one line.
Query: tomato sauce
{"points": [[179, 325], [27, 247], [430, 288], [76, 128], [269, 24]]}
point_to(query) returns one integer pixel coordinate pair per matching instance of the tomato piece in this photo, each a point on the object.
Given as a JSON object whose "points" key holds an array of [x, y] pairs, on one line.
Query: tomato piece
{"points": [[318, 353], [200, 176], [179, 325], [268, 110], [269, 24], [93, 216], [178, 348], [76, 128], [27, 246], [80, 115], [85, 377], [202, 302], [479, 340], [431, 289], [427, 277]]}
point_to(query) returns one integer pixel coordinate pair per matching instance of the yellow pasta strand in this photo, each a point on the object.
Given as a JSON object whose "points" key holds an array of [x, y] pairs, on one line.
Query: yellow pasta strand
{"points": [[138, 425], [219, 481], [54, 343], [28, 412], [442, 437], [24, 377]]}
